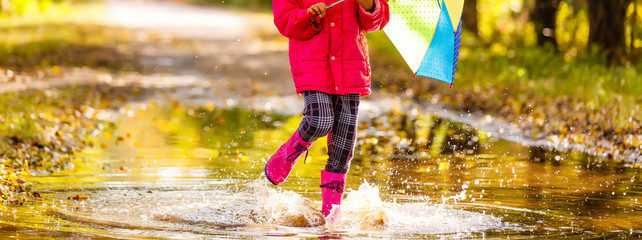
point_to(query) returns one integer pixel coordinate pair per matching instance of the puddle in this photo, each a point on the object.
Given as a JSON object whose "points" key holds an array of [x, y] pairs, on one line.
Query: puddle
{"points": [[181, 171]]}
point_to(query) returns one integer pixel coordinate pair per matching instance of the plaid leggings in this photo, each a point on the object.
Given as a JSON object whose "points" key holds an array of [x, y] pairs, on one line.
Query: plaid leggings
{"points": [[335, 116]]}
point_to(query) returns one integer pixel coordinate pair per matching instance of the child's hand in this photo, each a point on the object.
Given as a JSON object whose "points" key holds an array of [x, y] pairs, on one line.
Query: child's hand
{"points": [[317, 9]]}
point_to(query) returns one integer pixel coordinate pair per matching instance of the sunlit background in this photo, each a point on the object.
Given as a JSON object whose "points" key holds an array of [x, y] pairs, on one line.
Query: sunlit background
{"points": [[154, 119]]}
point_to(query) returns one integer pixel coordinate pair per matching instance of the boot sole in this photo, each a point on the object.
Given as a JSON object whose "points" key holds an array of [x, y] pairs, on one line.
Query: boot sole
{"points": [[268, 177]]}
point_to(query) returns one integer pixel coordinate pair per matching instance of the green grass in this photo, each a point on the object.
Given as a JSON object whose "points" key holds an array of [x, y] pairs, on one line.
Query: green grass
{"points": [[31, 113], [42, 131], [16, 119]]}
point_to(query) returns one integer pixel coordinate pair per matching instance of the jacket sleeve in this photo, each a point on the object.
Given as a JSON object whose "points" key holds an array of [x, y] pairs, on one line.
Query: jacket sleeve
{"points": [[286, 14], [375, 20]]}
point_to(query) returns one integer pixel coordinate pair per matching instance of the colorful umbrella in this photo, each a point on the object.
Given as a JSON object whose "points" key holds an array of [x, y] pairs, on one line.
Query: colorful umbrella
{"points": [[427, 33]]}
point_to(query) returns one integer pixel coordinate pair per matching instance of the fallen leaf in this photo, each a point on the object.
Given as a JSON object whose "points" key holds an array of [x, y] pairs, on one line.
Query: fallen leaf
{"points": [[80, 197], [119, 140]]}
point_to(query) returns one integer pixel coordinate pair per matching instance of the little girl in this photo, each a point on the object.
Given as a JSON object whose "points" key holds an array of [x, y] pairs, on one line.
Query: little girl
{"points": [[331, 69]]}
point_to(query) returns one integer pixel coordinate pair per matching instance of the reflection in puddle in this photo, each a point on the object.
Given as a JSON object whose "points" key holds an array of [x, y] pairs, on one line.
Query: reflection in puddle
{"points": [[191, 172]]}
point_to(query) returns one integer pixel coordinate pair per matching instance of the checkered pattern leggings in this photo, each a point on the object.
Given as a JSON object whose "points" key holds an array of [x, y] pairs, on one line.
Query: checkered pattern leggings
{"points": [[335, 116]]}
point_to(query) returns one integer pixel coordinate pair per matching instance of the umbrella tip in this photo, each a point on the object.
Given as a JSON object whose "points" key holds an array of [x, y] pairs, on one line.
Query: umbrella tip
{"points": [[451, 85]]}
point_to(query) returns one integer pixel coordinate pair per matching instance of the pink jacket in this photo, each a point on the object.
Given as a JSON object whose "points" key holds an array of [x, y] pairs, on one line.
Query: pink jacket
{"points": [[330, 56]]}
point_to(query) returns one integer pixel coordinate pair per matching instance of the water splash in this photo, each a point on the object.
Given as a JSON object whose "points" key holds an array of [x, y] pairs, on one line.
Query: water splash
{"points": [[260, 207], [455, 198], [284, 207], [363, 211]]}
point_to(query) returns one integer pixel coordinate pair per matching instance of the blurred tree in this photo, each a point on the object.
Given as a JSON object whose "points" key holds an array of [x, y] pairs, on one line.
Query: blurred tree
{"points": [[606, 23], [633, 22], [469, 18], [544, 20]]}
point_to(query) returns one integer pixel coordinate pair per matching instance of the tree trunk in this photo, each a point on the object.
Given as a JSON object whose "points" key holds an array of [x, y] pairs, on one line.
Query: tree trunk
{"points": [[606, 27], [544, 19], [469, 16]]}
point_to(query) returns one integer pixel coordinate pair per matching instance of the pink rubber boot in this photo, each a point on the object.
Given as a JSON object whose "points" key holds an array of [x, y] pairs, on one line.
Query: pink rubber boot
{"points": [[280, 164], [332, 186]]}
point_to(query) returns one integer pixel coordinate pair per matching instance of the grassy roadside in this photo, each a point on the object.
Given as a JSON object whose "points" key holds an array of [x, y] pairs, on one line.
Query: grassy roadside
{"points": [[41, 131], [62, 35], [579, 100]]}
